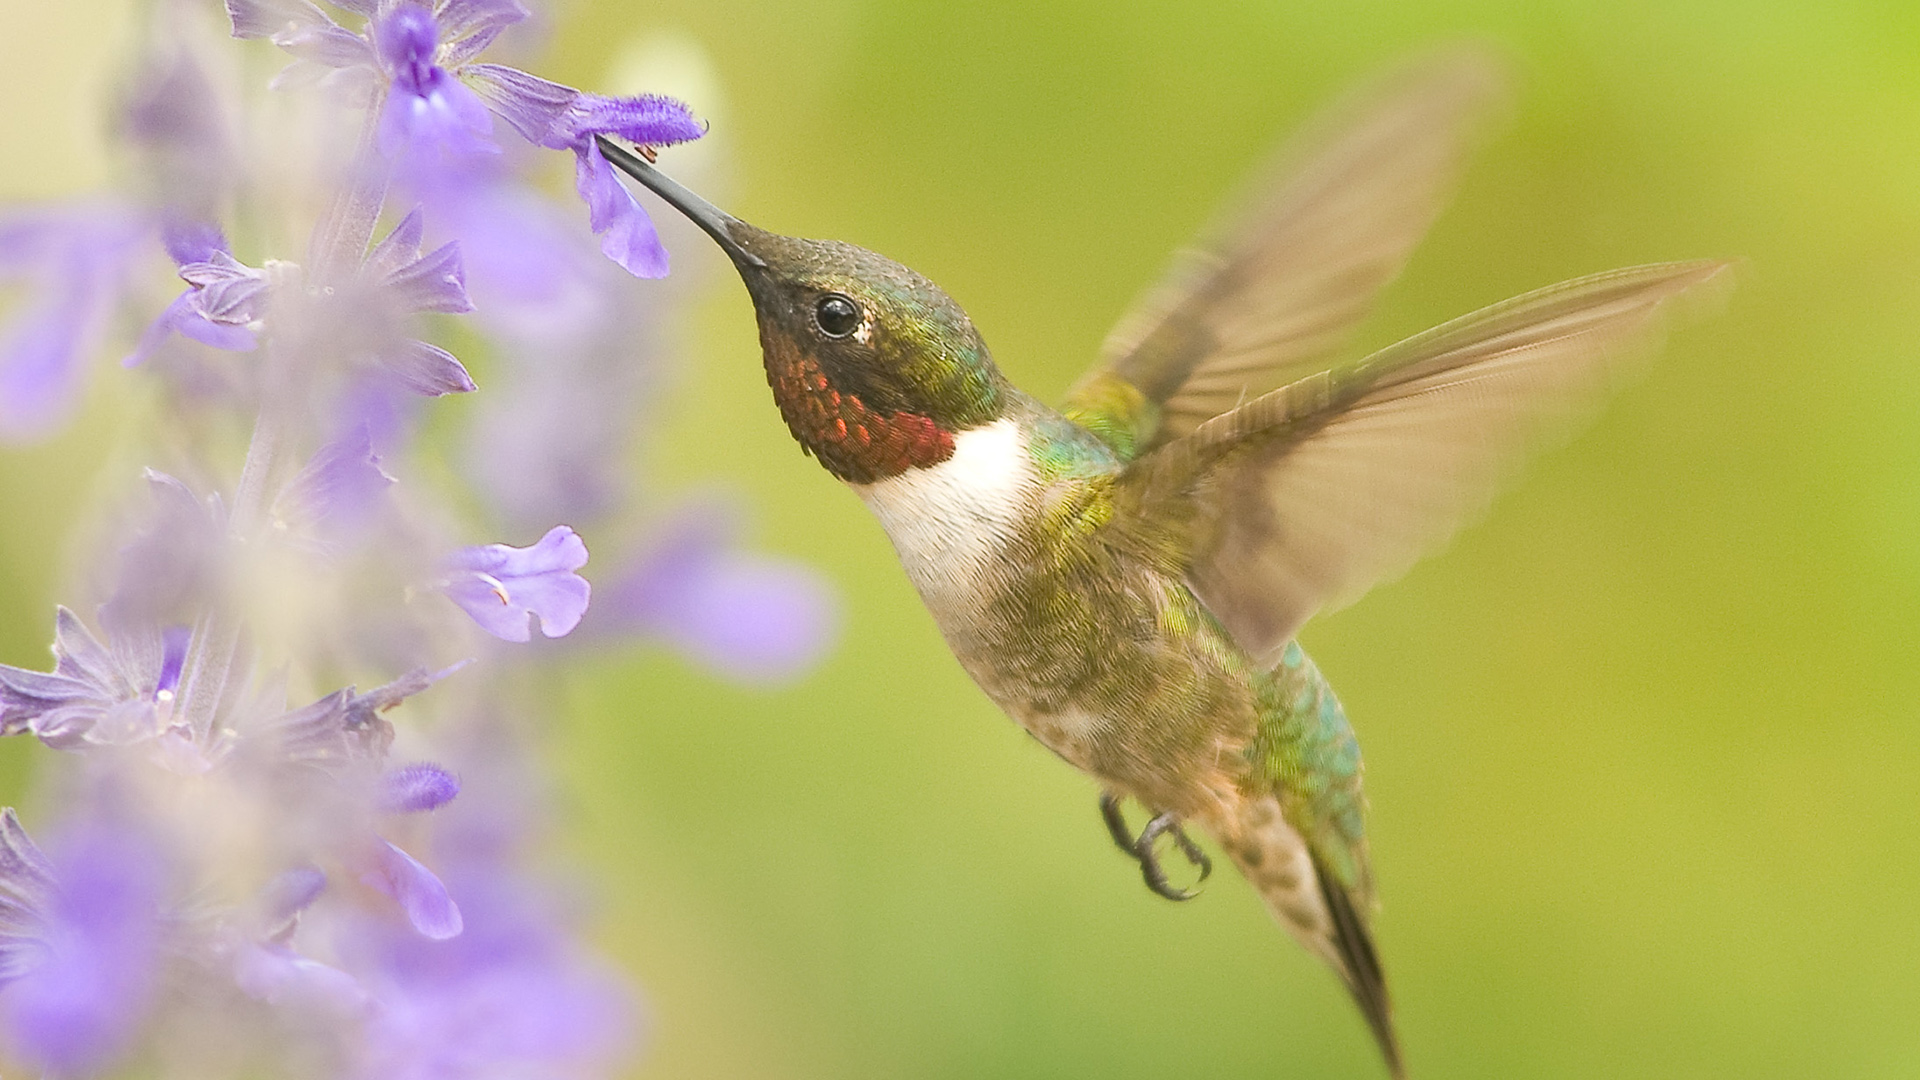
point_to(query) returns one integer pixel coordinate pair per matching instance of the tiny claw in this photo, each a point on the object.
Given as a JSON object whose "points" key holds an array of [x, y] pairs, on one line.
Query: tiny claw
{"points": [[1116, 820], [1141, 848]]}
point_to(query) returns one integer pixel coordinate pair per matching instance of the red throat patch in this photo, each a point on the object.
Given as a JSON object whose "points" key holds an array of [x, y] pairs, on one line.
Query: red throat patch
{"points": [[857, 444]]}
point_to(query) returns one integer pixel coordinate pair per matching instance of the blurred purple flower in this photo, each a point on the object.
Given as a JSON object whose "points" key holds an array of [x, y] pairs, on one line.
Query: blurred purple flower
{"points": [[76, 1004], [74, 261], [337, 731], [268, 969], [513, 996], [26, 894], [436, 99], [504, 588], [529, 268], [288, 894], [407, 282], [333, 740], [338, 493], [749, 616], [411, 789], [175, 115], [578, 342], [112, 694], [273, 973], [418, 891], [178, 559], [224, 297]]}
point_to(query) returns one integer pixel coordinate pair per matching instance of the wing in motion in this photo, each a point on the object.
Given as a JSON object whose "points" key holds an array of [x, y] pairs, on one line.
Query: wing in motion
{"points": [[1271, 293], [1304, 498]]}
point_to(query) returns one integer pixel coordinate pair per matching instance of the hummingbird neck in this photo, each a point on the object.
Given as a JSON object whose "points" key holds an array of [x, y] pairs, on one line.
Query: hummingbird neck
{"points": [[857, 442]]}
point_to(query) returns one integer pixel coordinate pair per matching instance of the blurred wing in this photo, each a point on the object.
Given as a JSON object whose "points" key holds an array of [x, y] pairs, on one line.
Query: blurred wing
{"points": [[1271, 292], [1303, 499]]}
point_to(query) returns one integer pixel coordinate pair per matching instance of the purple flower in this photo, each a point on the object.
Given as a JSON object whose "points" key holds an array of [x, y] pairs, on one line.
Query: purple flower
{"points": [[338, 493], [426, 106], [404, 281], [513, 995], [74, 261], [96, 693], [437, 99], [79, 1000], [175, 114], [338, 730], [224, 299], [273, 973], [416, 889], [504, 588], [328, 743], [268, 969], [562, 118], [411, 789], [26, 892], [179, 557], [366, 321], [748, 616]]}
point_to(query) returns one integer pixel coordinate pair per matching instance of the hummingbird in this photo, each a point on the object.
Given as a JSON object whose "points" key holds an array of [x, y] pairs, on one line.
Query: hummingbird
{"points": [[1124, 575]]}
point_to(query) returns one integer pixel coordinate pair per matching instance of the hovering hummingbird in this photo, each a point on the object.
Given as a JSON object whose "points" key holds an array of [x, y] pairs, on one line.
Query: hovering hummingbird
{"points": [[1124, 575]]}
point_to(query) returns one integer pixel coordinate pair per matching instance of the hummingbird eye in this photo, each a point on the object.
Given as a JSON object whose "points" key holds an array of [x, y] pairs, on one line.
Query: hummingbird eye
{"points": [[837, 315]]}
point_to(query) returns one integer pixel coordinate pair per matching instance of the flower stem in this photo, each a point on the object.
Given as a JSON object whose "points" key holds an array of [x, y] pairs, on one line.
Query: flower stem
{"points": [[340, 238], [339, 243]]}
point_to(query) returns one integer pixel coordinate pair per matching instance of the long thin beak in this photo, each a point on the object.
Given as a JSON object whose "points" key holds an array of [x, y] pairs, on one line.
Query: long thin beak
{"points": [[711, 219]]}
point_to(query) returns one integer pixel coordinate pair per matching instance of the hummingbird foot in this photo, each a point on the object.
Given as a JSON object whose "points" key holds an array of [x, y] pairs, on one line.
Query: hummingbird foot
{"points": [[1141, 848]]}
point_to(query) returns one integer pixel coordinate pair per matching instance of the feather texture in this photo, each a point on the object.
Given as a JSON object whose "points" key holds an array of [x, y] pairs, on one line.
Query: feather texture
{"points": [[1306, 497], [1271, 292]]}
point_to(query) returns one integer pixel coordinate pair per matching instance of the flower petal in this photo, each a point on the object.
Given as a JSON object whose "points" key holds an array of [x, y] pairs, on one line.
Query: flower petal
{"points": [[338, 492], [649, 119], [444, 117], [428, 369], [469, 26], [434, 282], [417, 890], [230, 290], [265, 18], [158, 331], [406, 36], [503, 588], [536, 107], [329, 46], [626, 233], [277, 975], [400, 246], [749, 616], [192, 324], [290, 893], [411, 789], [192, 241], [26, 891], [73, 1012]]}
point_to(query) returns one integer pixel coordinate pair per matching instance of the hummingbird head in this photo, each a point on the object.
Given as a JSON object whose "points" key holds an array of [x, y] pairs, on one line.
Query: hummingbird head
{"points": [[874, 367]]}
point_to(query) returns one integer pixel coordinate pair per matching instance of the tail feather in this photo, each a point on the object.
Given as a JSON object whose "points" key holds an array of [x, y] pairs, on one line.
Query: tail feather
{"points": [[1316, 909], [1360, 967]]}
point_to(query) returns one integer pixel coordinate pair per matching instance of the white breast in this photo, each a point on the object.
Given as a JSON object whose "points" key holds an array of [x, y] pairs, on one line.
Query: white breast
{"points": [[950, 522]]}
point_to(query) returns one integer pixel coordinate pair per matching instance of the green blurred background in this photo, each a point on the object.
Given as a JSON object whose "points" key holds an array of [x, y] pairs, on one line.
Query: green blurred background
{"points": [[1641, 746]]}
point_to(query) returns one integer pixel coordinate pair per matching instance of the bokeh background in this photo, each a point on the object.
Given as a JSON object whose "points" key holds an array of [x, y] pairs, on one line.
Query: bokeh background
{"points": [[1642, 746]]}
